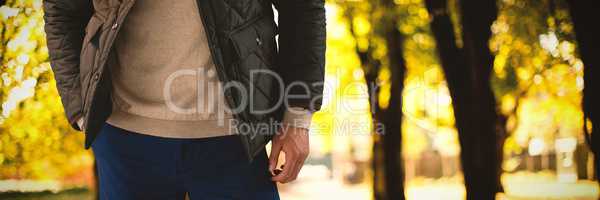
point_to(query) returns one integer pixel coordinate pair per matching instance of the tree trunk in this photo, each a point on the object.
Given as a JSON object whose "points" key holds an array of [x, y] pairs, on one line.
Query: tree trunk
{"points": [[392, 116], [583, 14], [467, 73], [388, 171], [477, 19]]}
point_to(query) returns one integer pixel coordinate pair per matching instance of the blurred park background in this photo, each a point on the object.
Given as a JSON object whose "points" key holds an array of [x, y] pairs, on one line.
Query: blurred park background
{"points": [[477, 98]]}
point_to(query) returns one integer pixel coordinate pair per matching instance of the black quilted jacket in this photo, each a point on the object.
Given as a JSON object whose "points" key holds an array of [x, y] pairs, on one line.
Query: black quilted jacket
{"points": [[241, 35]]}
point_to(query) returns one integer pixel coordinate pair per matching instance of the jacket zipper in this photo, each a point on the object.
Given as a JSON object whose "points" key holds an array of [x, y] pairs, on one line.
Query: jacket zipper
{"points": [[100, 60], [223, 78], [220, 69]]}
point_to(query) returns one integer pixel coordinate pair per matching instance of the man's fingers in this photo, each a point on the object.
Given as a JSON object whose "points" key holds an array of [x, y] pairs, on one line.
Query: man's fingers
{"points": [[295, 147], [294, 162], [285, 173], [300, 158], [299, 164], [288, 171], [274, 157]]}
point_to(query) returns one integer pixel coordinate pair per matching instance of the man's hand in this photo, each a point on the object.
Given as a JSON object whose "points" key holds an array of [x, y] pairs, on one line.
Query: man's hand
{"points": [[293, 142]]}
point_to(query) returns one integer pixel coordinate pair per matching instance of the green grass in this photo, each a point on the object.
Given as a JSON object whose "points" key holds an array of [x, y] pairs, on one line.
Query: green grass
{"points": [[73, 194]]}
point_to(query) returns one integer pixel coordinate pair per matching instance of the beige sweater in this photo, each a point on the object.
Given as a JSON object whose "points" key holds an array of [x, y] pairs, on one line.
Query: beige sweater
{"points": [[164, 82]]}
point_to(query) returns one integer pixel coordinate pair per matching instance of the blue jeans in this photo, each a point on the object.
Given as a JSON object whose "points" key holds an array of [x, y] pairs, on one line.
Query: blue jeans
{"points": [[135, 166]]}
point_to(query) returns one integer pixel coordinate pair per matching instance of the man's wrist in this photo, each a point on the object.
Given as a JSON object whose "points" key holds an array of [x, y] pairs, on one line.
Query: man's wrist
{"points": [[297, 117]]}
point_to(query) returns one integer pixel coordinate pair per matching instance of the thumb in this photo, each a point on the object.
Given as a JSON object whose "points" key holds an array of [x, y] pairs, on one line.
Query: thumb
{"points": [[274, 157]]}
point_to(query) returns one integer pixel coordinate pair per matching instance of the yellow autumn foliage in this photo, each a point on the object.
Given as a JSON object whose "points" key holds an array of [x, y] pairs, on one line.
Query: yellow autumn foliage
{"points": [[36, 142]]}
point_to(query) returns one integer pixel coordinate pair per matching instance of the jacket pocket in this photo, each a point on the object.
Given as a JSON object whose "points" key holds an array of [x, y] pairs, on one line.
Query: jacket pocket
{"points": [[257, 36], [255, 48]]}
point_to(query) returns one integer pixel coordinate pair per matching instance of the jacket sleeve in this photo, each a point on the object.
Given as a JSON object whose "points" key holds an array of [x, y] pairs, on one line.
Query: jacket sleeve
{"points": [[301, 58], [65, 22]]}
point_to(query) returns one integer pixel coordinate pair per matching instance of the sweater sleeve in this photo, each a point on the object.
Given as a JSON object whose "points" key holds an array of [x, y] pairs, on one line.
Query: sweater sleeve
{"points": [[297, 117]]}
